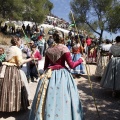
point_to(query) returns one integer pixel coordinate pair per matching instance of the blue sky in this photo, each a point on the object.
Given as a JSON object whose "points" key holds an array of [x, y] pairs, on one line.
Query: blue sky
{"points": [[62, 10]]}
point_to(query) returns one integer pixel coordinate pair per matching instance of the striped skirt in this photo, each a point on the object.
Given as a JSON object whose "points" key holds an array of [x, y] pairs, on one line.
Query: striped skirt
{"points": [[102, 62], [13, 92]]}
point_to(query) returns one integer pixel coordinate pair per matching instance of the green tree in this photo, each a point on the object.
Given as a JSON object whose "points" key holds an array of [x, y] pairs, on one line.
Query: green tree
{"points": [[11, 9], [36, 10], [94, 13], [114, 19], [32, 10]]}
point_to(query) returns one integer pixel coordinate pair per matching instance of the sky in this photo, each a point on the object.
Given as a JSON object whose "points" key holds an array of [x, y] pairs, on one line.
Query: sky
{"points": [[62, 10]]}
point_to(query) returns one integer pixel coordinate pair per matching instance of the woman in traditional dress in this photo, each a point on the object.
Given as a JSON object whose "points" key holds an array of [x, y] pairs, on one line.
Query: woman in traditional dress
{"points": [[92, 53], [13, 82], [56, 96], [103, 58], [77, 51], [34, 64], [111, 75]]}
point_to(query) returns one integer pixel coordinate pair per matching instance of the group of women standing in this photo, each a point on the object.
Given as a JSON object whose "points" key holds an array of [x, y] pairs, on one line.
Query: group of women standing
{"points": [[108, 65], [110, 78], [56, 96]]}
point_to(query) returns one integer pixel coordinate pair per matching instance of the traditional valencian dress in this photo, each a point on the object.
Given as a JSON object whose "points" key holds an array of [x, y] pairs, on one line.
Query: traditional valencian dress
{"points": [[111, 74], [92, 54], [13, 83], [76, 54], [103, 59], [56, 96]]}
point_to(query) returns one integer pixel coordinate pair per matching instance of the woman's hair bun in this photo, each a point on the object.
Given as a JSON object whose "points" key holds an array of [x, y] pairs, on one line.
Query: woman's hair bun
{"points": [[14, 41], [57, 36]]}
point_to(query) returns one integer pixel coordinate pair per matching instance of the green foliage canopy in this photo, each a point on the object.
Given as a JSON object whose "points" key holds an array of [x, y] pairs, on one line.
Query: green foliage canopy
{"points": [[114, 19], [31, 10], [97, 14]]}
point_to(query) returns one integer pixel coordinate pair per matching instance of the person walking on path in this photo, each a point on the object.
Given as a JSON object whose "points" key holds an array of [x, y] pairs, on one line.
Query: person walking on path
{"points": [[56, 96]]}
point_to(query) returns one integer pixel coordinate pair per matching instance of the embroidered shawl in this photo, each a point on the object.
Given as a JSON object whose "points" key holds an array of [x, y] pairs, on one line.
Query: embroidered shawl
{"points": [[54, 53]]}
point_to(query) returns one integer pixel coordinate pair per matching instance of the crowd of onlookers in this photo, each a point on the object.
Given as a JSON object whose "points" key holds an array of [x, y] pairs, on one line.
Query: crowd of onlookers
{"points": [[56, 22], [11, 28], [37, 35]]}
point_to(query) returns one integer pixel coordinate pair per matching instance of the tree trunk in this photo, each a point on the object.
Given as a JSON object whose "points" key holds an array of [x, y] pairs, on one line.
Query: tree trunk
{"points": [[101, 34]]}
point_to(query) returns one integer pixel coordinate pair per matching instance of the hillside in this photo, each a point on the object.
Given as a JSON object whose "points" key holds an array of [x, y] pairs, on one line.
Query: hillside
{"points": [[51, 22], [4, 39]]}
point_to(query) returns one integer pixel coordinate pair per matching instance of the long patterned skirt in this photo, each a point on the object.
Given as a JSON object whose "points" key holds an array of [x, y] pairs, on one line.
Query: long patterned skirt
{"points": [[57, 98], [102, 62], [13, 92], [111, 76], [80, 69]]}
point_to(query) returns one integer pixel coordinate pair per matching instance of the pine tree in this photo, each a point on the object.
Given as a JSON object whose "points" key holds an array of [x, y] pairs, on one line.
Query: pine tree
{"points": [[31, 10], [97, 14]]}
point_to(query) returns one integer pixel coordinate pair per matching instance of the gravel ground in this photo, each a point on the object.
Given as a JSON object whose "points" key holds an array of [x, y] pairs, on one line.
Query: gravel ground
{"points": [[107, 105]]}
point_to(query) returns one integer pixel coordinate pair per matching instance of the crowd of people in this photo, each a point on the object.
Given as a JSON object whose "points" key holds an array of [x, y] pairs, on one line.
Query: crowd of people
{"points": [[13, 28], [56, 22], [56, 95]]}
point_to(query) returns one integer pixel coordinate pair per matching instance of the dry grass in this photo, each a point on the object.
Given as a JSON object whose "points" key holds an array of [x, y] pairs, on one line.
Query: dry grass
{"points": [[4, 39]]}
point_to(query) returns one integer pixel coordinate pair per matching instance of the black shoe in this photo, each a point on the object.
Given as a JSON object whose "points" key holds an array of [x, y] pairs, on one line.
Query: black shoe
{"points": [[32, 79]]}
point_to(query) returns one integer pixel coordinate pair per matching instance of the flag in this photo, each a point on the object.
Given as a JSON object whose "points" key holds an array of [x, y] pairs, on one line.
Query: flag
{"points": [[27, 39], [72, 25]]}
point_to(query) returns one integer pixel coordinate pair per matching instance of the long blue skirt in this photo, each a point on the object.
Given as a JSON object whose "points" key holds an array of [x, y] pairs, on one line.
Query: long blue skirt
{"points": [[80, 69], [61, 101], [111, 75]]}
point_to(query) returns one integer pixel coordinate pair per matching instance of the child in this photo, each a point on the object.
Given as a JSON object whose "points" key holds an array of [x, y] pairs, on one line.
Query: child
{"points": [[34, 64], [2, 55]]}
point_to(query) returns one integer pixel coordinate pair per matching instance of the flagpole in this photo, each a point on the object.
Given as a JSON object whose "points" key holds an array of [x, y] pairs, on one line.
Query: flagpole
{"points": [[88, 74], [112, 35]]}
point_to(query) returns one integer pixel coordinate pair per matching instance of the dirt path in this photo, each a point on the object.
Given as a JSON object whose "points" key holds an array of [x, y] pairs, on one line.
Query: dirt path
{"points": [[108, 106]]}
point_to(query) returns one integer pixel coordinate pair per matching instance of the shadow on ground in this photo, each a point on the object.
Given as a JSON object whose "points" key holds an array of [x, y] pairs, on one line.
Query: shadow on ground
{"points": [[21, 115], [108, 106]]}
